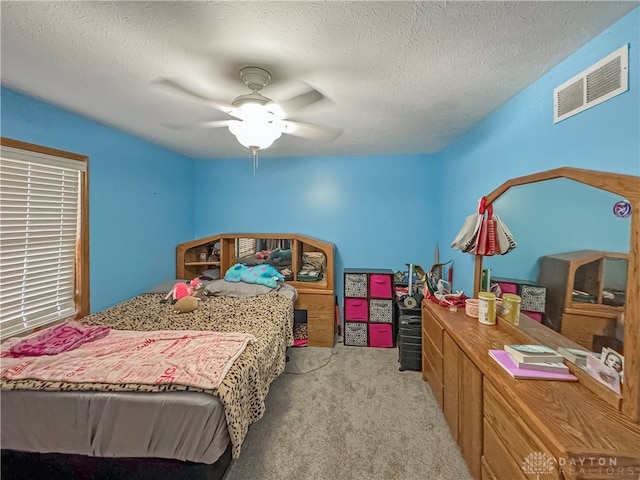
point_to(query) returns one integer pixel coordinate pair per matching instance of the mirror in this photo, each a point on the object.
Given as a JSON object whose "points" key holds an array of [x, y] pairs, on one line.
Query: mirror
{"points": [[553, 221], [625, 245], [274, 251]]}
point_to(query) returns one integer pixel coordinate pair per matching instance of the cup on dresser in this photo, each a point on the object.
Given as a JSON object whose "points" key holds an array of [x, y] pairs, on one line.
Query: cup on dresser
{"points": [[511, 308], [487, 308]]}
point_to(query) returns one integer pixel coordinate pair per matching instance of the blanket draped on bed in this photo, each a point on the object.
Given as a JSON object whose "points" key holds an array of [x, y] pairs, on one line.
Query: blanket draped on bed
{"points": [[198, 359], [245, 386]]}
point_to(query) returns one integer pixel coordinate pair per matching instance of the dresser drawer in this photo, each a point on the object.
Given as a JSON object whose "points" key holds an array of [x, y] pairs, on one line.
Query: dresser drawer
{"points": [[487, 474], [434, 382], [434, 356], [517, 438], [498, 460], [432, 329]]}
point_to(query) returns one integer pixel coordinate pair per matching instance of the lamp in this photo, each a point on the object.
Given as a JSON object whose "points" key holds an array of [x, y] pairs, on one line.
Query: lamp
{"points": [[257, 128]]}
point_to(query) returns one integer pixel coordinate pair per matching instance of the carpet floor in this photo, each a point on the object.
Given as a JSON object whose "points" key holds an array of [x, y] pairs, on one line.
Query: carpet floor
{"points": [[348, 413]]}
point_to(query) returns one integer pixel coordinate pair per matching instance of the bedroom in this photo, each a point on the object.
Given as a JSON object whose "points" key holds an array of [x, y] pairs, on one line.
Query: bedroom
{"points": [[161, 198]]}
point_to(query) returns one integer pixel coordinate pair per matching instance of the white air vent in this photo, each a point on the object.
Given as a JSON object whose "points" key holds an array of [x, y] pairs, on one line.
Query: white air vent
{"points": [[601, 81]]}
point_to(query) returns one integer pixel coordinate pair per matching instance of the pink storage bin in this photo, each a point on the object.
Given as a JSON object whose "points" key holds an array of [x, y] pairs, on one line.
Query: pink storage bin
{"points": [[508, 288], [356, 309], [380, 286], [380, 335], [537, 316]]}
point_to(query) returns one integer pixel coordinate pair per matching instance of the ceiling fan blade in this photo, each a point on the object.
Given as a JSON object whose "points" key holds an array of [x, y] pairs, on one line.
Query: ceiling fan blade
{"points": [[174, 86], [294, 104], [308, 130], [207, 124]]}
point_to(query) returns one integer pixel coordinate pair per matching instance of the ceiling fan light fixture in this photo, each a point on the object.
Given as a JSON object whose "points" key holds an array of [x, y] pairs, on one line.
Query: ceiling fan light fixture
{"points": [[256, 134], [250, 99]]}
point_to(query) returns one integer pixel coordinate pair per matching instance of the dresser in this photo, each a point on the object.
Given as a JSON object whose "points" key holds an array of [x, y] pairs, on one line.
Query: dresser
{"points": [[510, 429], [369, 314]]}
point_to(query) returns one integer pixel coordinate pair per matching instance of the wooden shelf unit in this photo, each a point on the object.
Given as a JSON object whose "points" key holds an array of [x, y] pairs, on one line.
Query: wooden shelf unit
{"points": [[317, 298]]}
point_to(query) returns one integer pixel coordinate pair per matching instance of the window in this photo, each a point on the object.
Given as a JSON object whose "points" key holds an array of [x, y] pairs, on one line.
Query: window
{"points": [[44, 236], [245, 247]]}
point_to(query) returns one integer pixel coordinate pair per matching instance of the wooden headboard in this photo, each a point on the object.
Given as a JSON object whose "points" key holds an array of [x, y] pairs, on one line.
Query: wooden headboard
{"points": [[317, 299]]}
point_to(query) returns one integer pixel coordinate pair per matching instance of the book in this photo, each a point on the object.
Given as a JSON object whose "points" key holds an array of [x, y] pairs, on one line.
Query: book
{"points": [[556, 367], [506, 362], [533, 353], [574, 355]]}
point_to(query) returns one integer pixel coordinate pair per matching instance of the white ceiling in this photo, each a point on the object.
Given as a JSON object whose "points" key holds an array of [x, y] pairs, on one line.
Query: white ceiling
{"points": [[403, 77]]}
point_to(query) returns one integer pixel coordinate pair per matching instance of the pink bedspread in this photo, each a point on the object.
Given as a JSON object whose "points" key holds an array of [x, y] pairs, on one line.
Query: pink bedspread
{"points": [[183, 357]]}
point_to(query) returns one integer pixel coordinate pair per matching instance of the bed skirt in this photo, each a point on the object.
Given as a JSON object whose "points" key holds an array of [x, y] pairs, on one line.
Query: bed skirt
{"points": [[57, 466]]}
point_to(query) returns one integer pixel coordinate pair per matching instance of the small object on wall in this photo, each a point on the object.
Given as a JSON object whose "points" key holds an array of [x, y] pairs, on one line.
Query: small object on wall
{"points": [[622, 209]]}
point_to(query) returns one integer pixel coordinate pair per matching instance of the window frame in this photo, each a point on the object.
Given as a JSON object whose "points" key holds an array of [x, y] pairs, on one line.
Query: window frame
{"points": [[81, 267]]}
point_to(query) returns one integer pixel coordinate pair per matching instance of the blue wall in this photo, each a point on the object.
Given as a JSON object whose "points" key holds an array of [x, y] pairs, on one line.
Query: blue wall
{"points": [[520, 138], [379, 211], [140, 195]]}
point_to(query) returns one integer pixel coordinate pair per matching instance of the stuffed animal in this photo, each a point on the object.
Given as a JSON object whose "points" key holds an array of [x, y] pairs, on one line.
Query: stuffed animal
{"points": [[186, 305], [181, 290]]}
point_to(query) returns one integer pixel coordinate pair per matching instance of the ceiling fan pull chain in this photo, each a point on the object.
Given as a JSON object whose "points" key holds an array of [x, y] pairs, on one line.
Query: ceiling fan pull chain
{"points": [[254, 152]]}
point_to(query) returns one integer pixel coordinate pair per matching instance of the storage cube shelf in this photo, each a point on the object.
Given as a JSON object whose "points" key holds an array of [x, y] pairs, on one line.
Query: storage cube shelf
{"points": [[369, 317]]}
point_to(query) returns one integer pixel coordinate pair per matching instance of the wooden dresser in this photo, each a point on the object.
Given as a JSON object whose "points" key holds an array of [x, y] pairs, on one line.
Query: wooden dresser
{"points": [[510, 429]]}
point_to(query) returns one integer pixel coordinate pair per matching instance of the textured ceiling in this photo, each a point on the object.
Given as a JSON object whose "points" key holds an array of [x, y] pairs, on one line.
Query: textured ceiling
{"points": [[403, 77]]}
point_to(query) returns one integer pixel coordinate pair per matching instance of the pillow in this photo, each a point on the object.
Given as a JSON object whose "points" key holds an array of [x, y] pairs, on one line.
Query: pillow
{"points": [[164, 287], [237, 289], [212, 273]]}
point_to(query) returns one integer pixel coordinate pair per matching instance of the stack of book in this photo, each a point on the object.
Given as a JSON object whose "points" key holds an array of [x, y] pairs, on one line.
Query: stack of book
{"points": [[575, 355], [537, 362]]}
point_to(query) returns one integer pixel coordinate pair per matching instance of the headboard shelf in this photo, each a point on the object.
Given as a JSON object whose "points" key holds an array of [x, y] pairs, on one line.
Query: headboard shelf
{"points": [[317, 298]]}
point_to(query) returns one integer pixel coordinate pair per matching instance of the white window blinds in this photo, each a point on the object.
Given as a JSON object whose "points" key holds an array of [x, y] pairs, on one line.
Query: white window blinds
{"points": [[245, 246], [39, 228]]}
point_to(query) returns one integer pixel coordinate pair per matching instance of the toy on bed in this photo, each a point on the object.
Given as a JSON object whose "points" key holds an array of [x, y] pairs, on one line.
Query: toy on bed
{"points": [[186, 304], [184, 291], [261, 274]]}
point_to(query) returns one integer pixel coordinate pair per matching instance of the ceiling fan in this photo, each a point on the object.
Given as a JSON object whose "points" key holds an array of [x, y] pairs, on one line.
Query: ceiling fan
{"points": [[258, 120]]}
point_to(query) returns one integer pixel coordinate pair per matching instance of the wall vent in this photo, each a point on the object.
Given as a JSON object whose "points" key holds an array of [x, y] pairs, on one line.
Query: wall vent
{"points": [[601, 81]]}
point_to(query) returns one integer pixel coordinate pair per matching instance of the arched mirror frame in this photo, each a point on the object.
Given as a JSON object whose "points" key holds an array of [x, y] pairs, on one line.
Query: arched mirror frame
{"points": [[627, 186]]}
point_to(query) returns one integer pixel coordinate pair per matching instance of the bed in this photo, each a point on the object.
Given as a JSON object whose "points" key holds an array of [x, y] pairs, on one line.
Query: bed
{"points": [[150, 430]]}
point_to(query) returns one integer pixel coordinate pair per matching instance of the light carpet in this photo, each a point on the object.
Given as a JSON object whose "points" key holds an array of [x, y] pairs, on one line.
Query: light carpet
{"points": [[348, 413]]}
